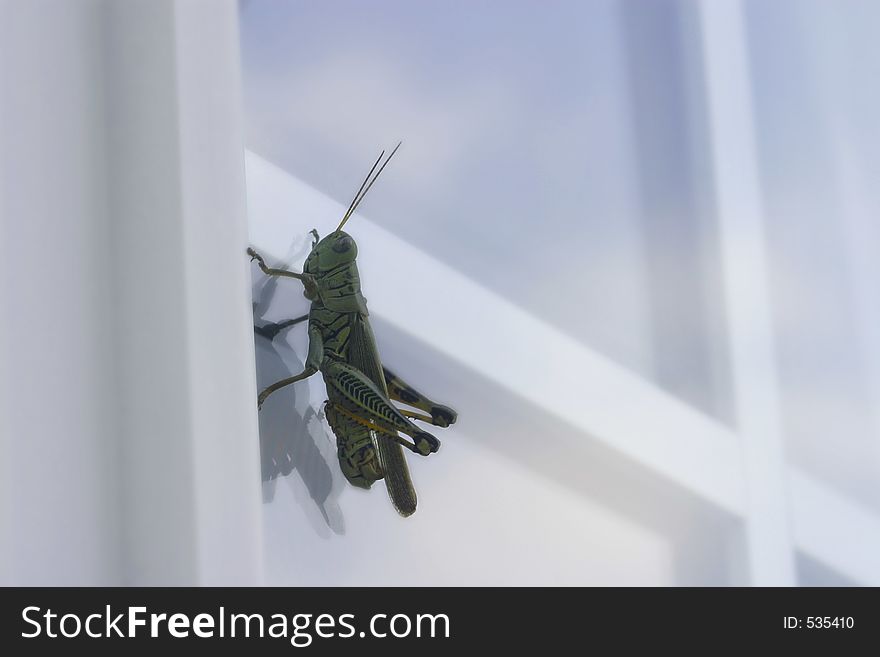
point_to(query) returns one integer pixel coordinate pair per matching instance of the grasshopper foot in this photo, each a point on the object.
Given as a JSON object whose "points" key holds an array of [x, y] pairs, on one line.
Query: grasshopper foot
{"points": [[443, 416], [270, 330], [255, 256], [426, 443]]}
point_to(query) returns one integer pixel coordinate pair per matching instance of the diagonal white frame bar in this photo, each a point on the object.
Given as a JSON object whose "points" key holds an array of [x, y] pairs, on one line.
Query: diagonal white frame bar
{"points": [[556, 372]]}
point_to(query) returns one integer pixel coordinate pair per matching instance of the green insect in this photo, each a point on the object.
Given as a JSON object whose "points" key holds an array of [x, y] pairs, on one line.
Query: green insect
{"points": [[359, 409]]}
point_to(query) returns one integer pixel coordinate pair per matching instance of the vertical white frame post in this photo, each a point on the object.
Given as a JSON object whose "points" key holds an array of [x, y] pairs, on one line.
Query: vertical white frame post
{"points": [[768, 536], [132, 456], [182, 283]]}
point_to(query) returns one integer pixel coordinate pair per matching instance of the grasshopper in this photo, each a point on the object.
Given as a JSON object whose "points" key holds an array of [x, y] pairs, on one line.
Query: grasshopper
{"points": [[360, 390]]}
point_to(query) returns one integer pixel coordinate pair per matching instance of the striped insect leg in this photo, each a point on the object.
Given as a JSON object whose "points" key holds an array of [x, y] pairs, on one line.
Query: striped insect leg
{"points": [[374, 406], [400, 390]]}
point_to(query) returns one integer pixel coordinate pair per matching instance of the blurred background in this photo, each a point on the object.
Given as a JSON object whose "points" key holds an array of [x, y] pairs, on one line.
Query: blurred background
{"points": [[568, 158], [633, 243]]}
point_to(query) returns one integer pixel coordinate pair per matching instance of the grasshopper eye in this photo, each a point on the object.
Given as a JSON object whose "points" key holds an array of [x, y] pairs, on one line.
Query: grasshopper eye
{"points": [[343, 244]]}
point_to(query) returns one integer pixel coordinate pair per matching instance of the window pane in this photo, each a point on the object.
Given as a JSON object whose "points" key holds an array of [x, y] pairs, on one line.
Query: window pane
{"points": [[553, 152], [814, 68]]}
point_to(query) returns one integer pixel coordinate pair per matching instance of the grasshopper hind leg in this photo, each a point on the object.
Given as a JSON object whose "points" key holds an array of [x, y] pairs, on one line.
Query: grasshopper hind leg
{"points": [[367, 455], [370, 407], [400, 390]]}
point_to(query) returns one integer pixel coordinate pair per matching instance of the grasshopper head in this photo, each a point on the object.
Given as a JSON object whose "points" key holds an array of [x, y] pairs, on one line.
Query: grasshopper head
{"points": [[333, 251]]}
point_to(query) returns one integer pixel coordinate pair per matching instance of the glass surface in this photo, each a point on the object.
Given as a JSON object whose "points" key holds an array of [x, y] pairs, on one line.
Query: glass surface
{"points": [[559, 155], [814, 68], [553, 152]]}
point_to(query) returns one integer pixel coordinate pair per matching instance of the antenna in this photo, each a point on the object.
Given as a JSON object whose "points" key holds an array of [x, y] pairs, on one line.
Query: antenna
{"points": [[363, 184], [360, 195]]}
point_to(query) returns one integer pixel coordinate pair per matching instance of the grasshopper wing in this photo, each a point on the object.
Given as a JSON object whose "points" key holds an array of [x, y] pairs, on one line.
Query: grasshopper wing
{"points": [[364, 355]]}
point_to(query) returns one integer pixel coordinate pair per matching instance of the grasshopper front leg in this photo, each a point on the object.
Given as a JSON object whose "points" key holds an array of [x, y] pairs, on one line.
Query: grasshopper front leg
{"points": [[358, 389], [400, 390], [308, 280], [313, 363]]}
